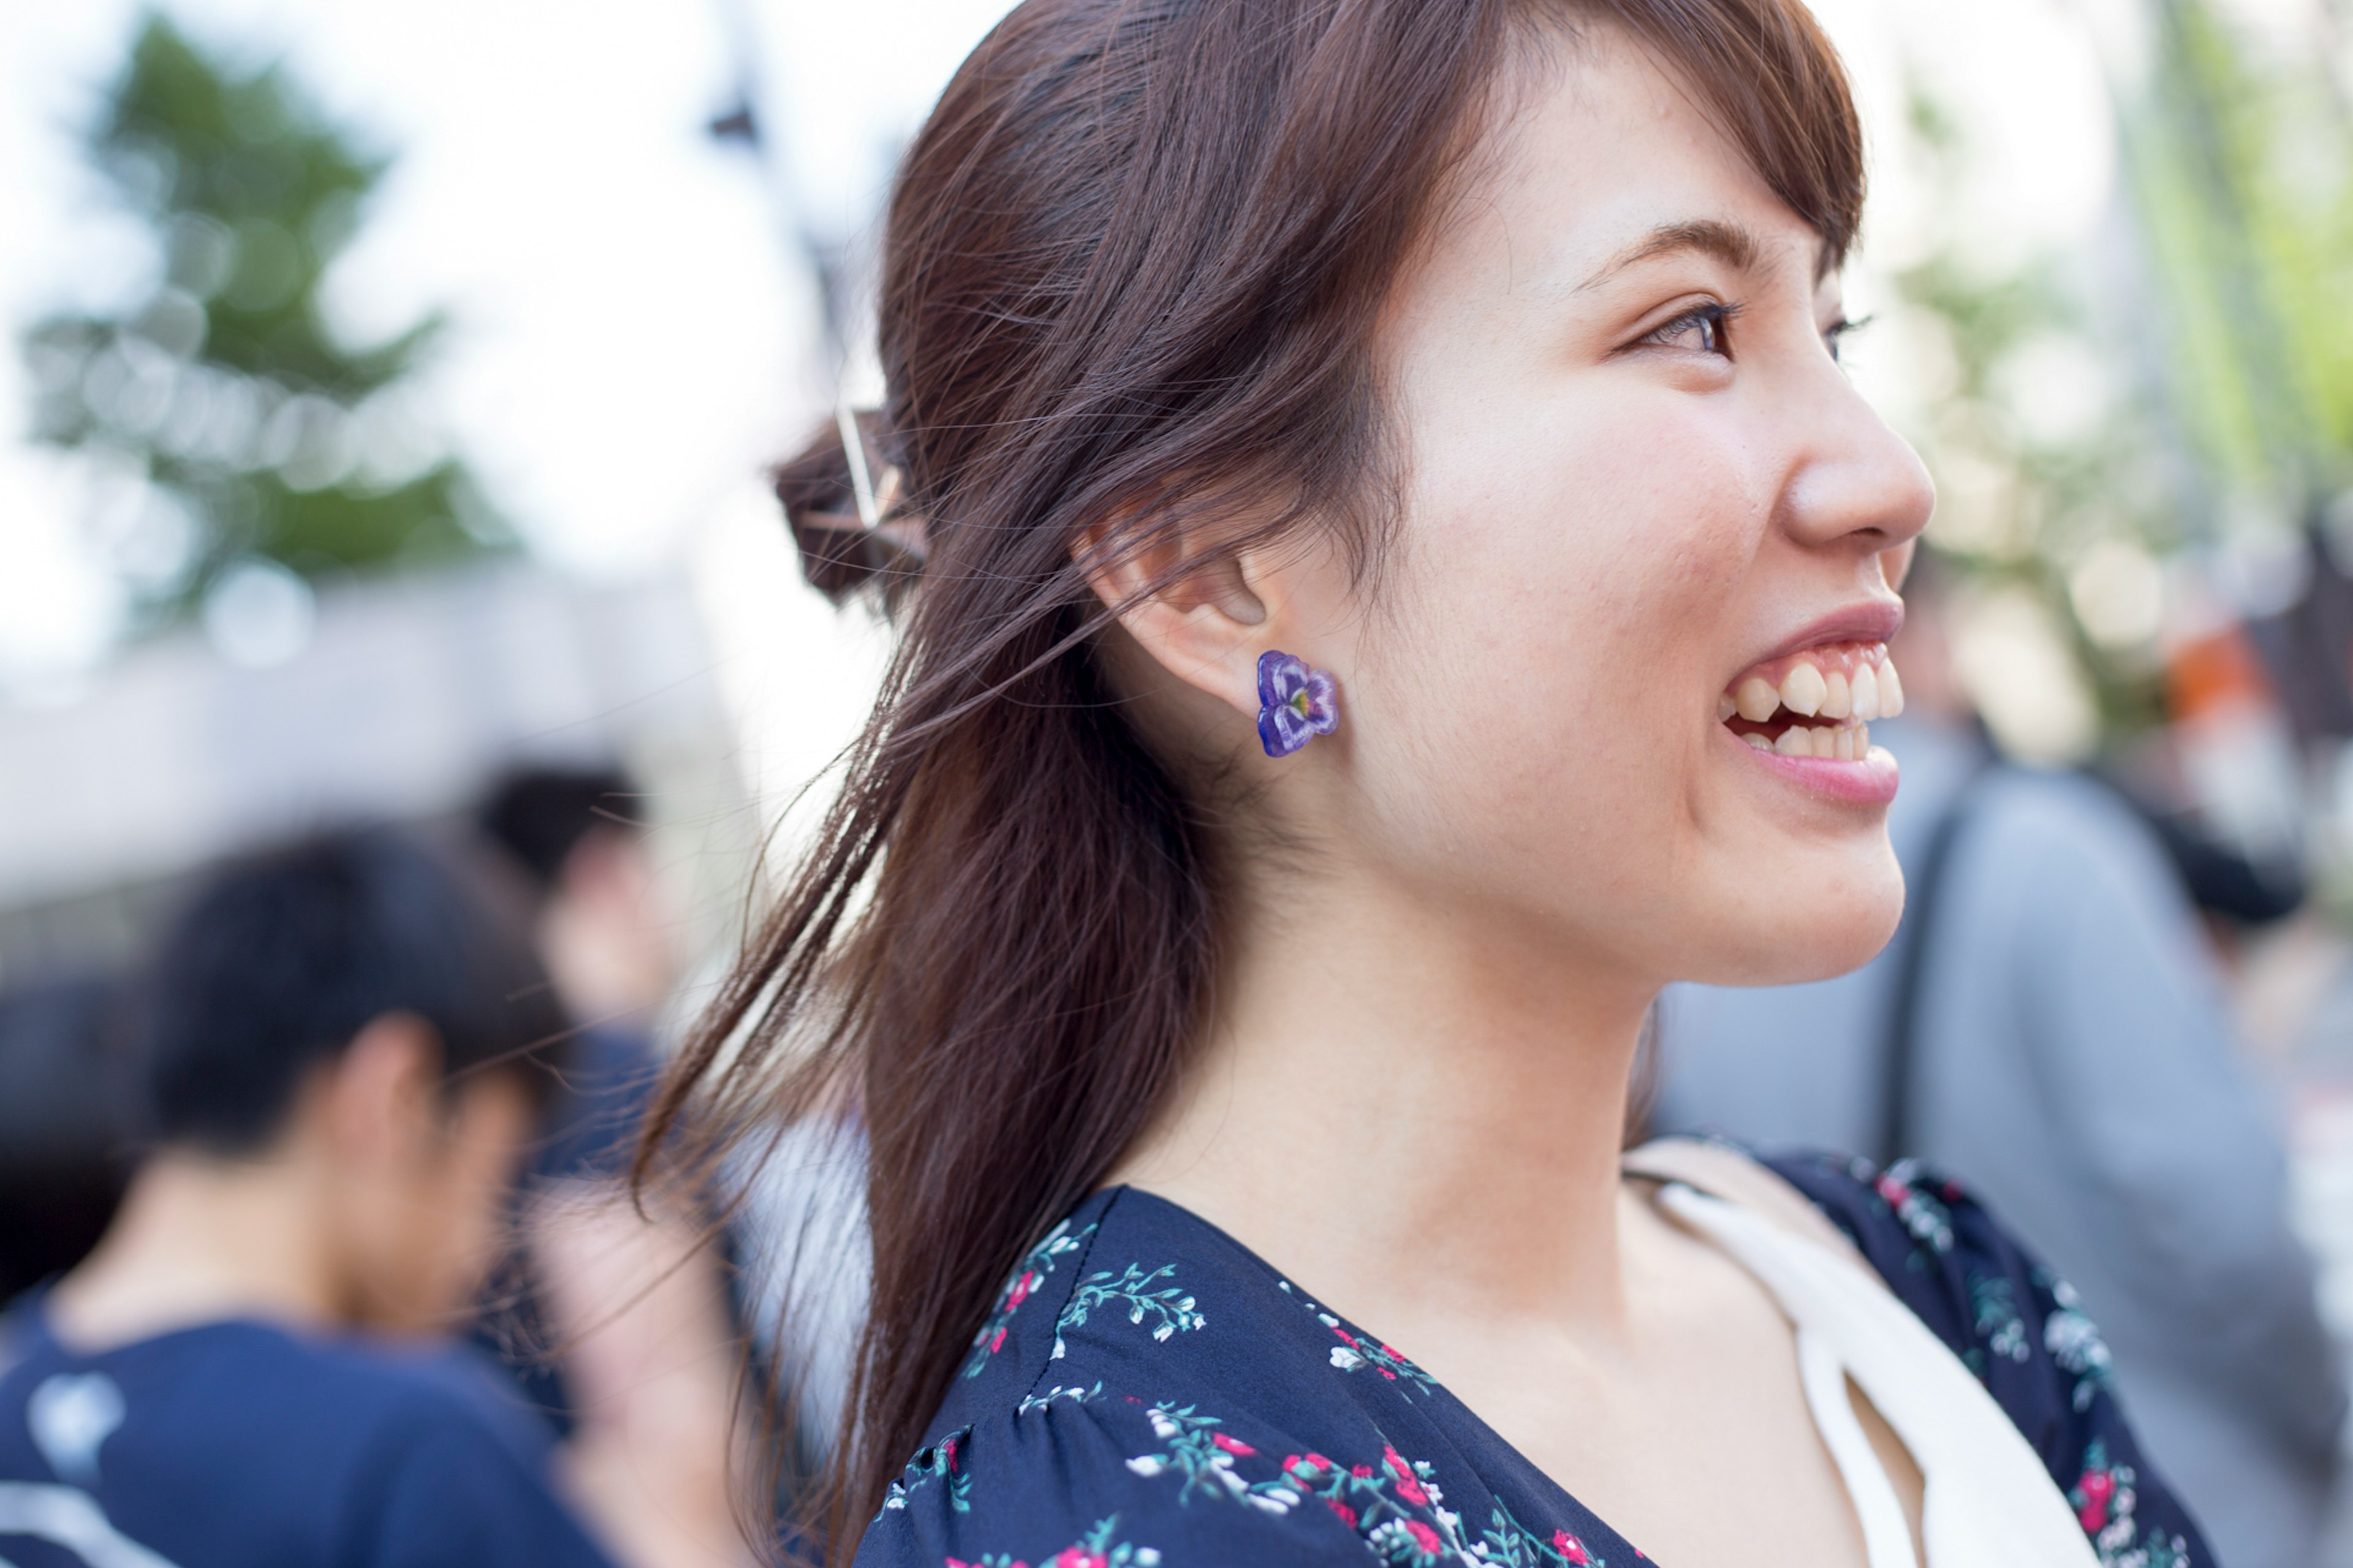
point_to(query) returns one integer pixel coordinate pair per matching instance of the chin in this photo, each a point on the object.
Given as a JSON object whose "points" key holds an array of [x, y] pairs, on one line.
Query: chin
{"points": [[1845, 919]]}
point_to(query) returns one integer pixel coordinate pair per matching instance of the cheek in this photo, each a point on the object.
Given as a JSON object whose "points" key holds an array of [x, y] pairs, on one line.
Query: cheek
{"points": [[1558, 634]]}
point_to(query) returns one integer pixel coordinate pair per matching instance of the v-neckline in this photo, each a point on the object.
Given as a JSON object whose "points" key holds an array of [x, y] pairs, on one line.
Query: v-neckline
{"points": [[1542, 1482]]}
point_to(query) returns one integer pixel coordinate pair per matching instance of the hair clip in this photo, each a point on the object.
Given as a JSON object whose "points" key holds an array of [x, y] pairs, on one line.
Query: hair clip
{"points": [[1296, 703], [872, 503], [874, 537]]}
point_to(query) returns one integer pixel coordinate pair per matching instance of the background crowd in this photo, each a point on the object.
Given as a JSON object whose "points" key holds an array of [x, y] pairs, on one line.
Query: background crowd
{"points": [[383, 535]]}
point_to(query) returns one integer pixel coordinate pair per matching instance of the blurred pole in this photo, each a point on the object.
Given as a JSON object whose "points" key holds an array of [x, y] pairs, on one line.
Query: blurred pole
{"points": [[752, 123]]}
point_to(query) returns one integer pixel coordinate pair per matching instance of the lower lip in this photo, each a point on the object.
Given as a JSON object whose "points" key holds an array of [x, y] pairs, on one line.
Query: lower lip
{"points": [[1870, 782]]}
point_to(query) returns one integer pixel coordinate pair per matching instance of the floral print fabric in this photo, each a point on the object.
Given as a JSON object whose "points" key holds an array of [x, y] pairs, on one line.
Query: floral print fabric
{"points": [[1149, 1393]]}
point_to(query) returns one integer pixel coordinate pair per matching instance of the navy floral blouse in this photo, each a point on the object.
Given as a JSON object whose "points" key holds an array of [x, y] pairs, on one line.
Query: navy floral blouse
{"points": [[1148, 1394]]}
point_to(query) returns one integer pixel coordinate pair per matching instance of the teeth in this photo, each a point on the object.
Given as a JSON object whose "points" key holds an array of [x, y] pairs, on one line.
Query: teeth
{"points": [[1824, 743], [1891, 690], [1840, 702], [1756, 699], [1726, 707], [1803, 688], [1865, 693]]}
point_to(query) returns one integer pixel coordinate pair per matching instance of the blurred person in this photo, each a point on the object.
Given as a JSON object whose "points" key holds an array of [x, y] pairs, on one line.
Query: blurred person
{"points": [[2048, 1028], [630, 1340], [63, 1131], [1388, 573], [342, 1052]]}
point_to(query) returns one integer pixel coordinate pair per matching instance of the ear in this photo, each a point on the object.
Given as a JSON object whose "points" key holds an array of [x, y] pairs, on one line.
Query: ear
{"points": [[383, 1092], [1206, 627]]}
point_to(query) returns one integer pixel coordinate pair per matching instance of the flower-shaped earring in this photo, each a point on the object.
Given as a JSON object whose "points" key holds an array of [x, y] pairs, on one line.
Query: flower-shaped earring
{"points": [[1295, 704]]}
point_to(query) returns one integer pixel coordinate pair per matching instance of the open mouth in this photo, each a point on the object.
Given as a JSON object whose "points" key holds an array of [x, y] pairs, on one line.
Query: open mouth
{"points": [[1819, 704]]}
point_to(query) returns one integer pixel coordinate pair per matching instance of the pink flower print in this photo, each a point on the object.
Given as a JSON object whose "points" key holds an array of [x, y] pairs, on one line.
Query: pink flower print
{"points": [[1408, 1486], [2097, 1486], [1347, 1515], [997, 1341], [1424, 1537], [1078, 1557], [1570, 1548], [1891, 1189], [1021, 1289], [947, 1452], [1362, 1472], [1232, 1445]]}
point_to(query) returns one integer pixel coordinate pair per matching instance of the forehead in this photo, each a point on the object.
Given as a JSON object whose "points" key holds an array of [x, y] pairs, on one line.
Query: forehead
{"points": [[1597, 146]]}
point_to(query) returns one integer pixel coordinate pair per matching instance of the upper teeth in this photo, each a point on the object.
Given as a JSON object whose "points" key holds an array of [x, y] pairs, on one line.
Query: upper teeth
{"points": [[1873, 691], [1803, 688], [1866, 693]]}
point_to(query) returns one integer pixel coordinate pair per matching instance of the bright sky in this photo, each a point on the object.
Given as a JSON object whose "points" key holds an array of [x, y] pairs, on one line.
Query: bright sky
{"points": [[635, 333]]}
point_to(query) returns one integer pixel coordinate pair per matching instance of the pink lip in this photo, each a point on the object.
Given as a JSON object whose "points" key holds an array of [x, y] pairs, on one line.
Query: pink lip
{"points": [[1872, 620], [1858, 784]]}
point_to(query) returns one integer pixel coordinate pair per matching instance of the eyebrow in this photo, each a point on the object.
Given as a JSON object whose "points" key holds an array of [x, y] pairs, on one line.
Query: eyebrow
{"points": [[1728, 242]]}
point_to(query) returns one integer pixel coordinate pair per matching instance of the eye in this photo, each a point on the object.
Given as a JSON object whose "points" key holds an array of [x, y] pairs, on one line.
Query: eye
{"points": [[1837, 333], [1701, 330]]}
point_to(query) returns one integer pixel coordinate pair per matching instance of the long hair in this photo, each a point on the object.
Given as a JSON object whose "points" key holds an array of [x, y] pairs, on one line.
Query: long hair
{"points": [[1132, 272]]}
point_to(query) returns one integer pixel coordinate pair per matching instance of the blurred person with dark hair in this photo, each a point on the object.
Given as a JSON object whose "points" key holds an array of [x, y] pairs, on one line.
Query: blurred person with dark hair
{"points": [[342, 1049], [630, 1345], [62, 1133], [2048, 1026]]}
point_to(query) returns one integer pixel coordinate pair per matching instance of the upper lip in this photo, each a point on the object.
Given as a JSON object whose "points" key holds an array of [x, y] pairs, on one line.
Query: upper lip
{"points": [[1865, 621]]}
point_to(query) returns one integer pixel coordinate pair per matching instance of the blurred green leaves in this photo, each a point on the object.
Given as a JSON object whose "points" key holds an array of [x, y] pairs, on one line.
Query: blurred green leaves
{"points": [[2183, 389], [224, 389]]}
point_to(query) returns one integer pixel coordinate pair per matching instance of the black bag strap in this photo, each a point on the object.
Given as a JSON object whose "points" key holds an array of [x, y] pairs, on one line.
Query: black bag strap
{"points": [[1916, 937]]}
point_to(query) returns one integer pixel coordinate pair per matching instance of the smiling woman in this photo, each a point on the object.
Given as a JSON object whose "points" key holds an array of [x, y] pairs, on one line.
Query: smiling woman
{"points": [[1390, 574]]}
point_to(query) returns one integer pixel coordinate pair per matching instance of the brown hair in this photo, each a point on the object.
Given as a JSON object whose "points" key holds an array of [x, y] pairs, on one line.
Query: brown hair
{"points": [[1131, 275]]}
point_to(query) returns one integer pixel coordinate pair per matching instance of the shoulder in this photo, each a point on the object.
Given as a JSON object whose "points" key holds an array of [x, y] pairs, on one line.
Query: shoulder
{"points": [[432, 1472], [2019, 1328], [2065, 826], [1147, 1391]]}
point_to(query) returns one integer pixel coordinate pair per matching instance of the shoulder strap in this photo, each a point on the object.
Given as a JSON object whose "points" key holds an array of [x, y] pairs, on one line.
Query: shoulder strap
{"points": [[1726, 1173]]}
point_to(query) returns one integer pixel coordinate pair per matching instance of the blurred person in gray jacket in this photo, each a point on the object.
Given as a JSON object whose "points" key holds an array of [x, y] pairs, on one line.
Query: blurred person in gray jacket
{"points": [[2062, 1046]]}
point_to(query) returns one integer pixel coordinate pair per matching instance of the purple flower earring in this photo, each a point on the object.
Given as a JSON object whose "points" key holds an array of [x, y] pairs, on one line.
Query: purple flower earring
{"points": [[1295, 704]]}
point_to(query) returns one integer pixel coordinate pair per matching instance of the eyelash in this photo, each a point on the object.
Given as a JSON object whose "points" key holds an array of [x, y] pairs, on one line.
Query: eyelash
{"points": [[1838, 331], [1716, 318]]}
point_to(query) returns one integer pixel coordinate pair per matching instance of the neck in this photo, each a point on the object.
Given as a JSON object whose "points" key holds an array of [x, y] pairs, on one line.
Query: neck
{"points": [[1414, 1081], [199, 1240]]}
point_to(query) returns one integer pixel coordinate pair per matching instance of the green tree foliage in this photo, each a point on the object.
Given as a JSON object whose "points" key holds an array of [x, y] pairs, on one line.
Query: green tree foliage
{"points": [[224, 387], [2230, 411], [2240, 170]]}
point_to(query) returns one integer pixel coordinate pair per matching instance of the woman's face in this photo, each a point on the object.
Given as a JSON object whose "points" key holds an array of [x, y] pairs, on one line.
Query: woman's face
{"points": [[1644, 564]]}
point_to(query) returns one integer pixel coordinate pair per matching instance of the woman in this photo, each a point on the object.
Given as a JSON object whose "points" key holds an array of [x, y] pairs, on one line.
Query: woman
{"points": [[1390, 574]]}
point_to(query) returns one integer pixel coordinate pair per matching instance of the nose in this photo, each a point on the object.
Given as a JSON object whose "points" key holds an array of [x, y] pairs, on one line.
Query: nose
{"points": [[1854, 483]]}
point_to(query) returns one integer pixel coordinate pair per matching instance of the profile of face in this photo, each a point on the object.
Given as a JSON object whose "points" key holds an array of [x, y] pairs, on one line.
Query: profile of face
{"points": [[1610, 680], [421, 1175]]}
